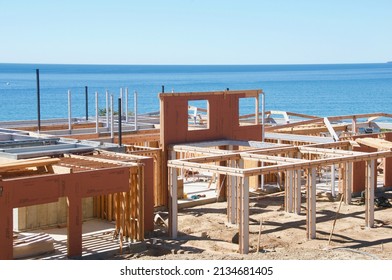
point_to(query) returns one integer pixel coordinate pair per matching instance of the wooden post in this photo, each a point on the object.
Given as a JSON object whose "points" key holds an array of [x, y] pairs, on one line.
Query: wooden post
{"points": [[297, 191], [232, 199], [347, 193], [173, 207], [6, 224], [244, 217], [369, 193], [333, 180], [311, 204], [354, 128], [239, 184], [74, 227], [289, 191]]}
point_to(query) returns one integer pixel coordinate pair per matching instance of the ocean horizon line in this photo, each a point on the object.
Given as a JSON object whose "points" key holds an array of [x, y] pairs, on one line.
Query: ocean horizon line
{"points": [[207, 64]]}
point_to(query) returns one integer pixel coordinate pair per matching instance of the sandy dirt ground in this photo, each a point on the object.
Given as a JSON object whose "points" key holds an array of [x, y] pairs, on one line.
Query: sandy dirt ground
{"points": [[205, 234]]}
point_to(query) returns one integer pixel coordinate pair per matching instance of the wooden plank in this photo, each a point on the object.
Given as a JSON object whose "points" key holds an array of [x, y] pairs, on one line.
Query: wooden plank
{"points": [[369, 193], [23, 164], [316, 163], [244, 216], [348, 175], [140, 185], [173, 207], [289, 196], [375, 143], [248, 93], [311, 204]]}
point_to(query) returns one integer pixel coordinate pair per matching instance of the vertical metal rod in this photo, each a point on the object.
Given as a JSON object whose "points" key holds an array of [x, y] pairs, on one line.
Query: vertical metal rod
{"points": [[119, 123], [107, 108], [126, 104], [263, 116], [121, 96], [257, 109], [86, 97], [38, 101], [96, 113], [111, 117], [135, 108], [163, 89], [69, 112]]}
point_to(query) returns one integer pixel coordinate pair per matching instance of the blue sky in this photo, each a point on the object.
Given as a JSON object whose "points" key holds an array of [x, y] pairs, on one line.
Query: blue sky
{"points": [[195, 31]]}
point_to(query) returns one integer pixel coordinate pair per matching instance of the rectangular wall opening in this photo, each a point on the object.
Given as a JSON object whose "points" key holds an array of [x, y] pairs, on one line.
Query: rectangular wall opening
{"points": [[198, 114], [247, 109]]}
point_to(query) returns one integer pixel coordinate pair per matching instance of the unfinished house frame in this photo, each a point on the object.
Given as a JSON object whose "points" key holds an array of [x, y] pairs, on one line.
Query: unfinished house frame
{"points": [[297, 163], [223, 128], [112, 186]]}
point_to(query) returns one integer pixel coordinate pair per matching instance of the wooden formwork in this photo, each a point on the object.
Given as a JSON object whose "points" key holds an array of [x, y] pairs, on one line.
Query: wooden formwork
{"points": [[140, 196], [126, 208], [47, 188], [160, 192]]}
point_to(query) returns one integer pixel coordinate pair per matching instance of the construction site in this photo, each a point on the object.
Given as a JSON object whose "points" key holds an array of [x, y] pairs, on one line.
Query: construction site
{"points": [[200, 179]]}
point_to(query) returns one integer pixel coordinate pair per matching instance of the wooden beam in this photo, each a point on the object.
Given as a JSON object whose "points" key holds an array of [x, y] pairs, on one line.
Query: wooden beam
{"points": [[375, 143], [289, 191], [348, 178], [297, 191], [316, 163], [206, 167], [173, 207], [327, 152], [270, 159], [244, 216], [369, 193], [23, 164], [248, 93], [311, 204]]}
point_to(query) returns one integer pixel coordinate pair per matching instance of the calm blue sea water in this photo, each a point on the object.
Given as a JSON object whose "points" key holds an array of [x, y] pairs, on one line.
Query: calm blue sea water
{"points": [[323, 90]]}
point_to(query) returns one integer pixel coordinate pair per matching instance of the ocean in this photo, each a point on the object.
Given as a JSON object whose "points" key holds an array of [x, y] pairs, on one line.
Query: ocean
{"points": [[323, 90]]}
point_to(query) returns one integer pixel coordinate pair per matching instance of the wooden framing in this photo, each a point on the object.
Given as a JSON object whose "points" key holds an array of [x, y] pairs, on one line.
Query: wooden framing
{"points": [[119, 188], [160, 192], [238, 187], [19, 192]]}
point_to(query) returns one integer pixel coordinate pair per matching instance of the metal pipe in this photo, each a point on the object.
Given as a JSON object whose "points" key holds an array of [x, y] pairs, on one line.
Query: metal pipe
{"points": [[38, 101], [69, 112], [96, 113], [86, 97], [135, 108], [163, 89], [263, 116], [107, 109], [119, 123], [111, 118], [121, 96], [126, 104]]}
